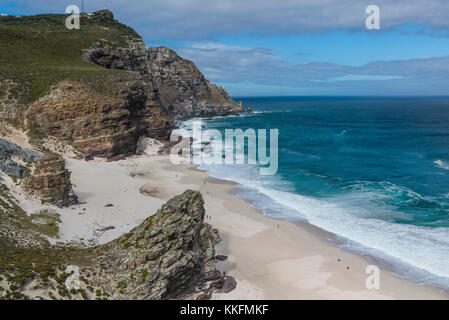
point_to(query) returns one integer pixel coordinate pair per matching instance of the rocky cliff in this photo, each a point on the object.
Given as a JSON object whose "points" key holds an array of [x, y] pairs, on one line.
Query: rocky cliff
{"points": [[99, 124], [44, 176], [183, 90], [98, 88]]}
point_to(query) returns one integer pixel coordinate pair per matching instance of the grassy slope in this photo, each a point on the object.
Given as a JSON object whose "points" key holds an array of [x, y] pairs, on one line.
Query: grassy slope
{"points": [[39, 51]]}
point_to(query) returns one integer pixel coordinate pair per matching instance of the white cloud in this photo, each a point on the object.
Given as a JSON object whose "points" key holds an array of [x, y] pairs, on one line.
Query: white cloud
{"points": [[260, 67], [361, 77], [201, 22], [209, 45], [203, 19]]}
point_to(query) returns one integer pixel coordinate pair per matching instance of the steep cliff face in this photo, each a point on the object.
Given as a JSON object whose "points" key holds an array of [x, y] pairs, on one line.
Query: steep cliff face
{"points": [[183, 90], [131, 55], [100, 124]]}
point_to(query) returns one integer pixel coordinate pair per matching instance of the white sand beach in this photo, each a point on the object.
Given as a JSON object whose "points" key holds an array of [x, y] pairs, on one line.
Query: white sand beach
{"points": [[270, 259]]}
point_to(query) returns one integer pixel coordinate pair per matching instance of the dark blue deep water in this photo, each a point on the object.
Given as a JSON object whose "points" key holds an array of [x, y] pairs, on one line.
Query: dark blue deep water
{"points": [[374, 171]]}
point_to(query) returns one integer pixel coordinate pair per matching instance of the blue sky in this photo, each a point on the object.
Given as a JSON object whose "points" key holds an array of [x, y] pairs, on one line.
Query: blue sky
{"points": [[292, 47]]}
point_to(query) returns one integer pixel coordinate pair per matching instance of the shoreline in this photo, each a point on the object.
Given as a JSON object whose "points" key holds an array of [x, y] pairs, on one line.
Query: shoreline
{"points": [[269, 258], [278, 259]]}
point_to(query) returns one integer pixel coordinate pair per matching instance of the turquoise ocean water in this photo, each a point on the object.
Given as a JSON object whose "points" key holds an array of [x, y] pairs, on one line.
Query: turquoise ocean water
{"points": [[372, 171]]}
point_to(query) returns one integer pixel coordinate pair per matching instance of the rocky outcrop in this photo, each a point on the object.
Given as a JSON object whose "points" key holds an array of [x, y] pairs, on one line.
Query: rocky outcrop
{"points": [[14, 159], [45, 176], [170, 255], [132, 57], [51, 182], [182, 89]]}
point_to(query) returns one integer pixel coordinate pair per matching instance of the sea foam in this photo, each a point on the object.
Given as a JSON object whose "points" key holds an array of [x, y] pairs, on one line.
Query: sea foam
{"points": [[423, 249]]}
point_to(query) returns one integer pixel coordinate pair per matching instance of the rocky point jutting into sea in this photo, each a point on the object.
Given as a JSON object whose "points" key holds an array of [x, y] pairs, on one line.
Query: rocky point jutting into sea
{"points": [[95, 92]]}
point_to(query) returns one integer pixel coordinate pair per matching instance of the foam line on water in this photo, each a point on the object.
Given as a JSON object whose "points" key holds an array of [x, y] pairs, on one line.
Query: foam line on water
{"points": [[421, 249], [425, 249]]}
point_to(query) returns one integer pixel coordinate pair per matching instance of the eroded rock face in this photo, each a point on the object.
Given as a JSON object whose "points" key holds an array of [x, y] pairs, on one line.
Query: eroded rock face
{"points": [[183, 90], [51, 181], [170, 255], [101, 125]]}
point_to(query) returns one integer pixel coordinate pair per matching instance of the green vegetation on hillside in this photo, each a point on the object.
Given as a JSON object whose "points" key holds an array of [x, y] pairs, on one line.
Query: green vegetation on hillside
{"points": [[39, 51], [47, 222], [43, 263], [46, 266]]}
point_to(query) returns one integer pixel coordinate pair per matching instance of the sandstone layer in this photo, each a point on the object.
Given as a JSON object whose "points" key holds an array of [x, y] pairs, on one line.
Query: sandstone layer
{"points": [[100, 125], [51, 182]]}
